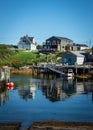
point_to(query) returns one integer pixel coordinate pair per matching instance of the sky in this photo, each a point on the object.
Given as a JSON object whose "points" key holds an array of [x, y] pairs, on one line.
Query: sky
{"points": [[42, 19]]}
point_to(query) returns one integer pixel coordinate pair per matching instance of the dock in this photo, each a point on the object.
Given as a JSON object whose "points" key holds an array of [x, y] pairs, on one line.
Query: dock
{"points": [[64, 69], [84, 70]]}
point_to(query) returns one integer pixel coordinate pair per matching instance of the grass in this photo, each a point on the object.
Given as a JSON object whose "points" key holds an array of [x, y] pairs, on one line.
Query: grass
{"points": [[19, 58], [32, 58]]}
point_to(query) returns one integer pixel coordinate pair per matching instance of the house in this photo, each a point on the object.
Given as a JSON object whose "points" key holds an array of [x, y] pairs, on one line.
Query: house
{"points": [[56, 44], [79, 47], [76, 47], [91, 57], [73, 57], [27, 43], [14, 47]]}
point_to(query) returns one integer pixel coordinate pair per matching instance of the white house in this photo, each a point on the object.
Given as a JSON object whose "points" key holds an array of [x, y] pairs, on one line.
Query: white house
{"points": [[27, 43], [73, 57]]}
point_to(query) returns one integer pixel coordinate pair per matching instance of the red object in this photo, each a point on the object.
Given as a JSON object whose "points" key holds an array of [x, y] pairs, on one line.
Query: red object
{"points": [[10, 85]]}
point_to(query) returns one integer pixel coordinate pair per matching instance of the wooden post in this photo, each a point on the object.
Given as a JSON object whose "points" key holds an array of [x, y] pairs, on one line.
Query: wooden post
{"points": [[83, 70], [76, 67]]}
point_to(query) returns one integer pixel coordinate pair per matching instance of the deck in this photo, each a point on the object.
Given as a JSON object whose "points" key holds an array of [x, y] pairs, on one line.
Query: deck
{"points": [[76, 69]]}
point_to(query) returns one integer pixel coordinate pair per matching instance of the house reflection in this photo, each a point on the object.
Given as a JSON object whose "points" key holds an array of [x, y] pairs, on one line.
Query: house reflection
{"points": [[4, 95], [84, 87], [55, 90], [58, 90], [27, 91], [62, 89]]}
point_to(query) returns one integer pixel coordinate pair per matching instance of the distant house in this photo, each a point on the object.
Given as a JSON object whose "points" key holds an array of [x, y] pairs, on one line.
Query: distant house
{"points": [[27, 43], [73, 57], [14, 47], [79, 47], [76, 47], [56, 44], [91, 57]]}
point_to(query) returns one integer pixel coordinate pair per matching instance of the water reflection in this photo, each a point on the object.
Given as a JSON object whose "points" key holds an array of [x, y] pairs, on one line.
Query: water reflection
{"points": [[54, 90], [28, 91], [62, 89], [4, 94], [38, 99]]}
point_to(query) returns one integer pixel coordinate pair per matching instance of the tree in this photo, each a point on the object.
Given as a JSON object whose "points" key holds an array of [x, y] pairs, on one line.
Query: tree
{"points": [[39, 46]]}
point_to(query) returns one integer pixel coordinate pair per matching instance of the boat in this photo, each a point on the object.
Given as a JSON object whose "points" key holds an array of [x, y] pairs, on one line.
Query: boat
{"points": [[69, 74]]}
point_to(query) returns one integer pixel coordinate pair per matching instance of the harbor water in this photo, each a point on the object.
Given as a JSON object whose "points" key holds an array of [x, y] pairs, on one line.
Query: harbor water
{"points": [[42, 99]]}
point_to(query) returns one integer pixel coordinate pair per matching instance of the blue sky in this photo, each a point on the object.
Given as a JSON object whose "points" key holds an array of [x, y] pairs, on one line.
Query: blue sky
{"points": [[45, 18]]}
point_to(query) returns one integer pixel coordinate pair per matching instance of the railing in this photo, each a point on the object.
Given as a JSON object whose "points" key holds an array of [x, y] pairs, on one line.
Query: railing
{"points": [[56, 68]]}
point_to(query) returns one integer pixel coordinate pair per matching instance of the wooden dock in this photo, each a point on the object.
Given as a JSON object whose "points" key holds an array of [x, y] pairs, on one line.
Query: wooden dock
{"points": [[76, 69]]}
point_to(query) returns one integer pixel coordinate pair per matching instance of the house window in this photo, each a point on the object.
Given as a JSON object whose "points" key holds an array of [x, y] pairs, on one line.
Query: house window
{"points": [[58, 42], [54, 42], [47, 42], [24, 40]]}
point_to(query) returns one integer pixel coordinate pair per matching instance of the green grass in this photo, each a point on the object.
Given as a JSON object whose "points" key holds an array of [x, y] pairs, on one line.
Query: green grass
{"points": [[19, 58], [21, 55]]}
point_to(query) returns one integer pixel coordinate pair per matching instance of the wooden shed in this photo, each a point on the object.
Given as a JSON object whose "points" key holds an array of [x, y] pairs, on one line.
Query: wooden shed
{"points": [[73, 57]]}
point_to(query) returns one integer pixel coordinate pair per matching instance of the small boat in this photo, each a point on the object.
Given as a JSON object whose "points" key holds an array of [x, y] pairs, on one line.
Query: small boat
{"points": [[69, 73]]}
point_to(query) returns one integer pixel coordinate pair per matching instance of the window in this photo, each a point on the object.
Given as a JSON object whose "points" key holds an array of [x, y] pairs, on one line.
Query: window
{"points": [[24, 40], [47, 42]]}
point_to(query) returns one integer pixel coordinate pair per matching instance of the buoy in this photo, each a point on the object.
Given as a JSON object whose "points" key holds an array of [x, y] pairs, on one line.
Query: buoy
{"points": [[10, 85]]}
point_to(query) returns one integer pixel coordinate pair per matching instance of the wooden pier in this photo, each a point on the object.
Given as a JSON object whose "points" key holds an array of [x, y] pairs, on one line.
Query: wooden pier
{"points": [[64, 69], [76, 69]]}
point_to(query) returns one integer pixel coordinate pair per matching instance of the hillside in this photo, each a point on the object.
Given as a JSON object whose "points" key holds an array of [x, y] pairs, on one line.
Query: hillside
{"points": [[19, 58]]}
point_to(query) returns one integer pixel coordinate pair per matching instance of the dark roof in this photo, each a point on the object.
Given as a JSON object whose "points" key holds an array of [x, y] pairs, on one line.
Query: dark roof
{"points": [[60, 38], [84, 45], [29, 39], [14, 46]]}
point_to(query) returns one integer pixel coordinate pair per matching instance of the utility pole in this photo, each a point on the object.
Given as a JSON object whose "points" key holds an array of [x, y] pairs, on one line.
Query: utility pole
{"points": [[90, 42]]}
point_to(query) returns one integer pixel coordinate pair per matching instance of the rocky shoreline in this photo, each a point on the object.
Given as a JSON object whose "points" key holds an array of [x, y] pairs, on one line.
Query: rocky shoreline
{"points": [[54, 125], [50, 125], [10, 126]]}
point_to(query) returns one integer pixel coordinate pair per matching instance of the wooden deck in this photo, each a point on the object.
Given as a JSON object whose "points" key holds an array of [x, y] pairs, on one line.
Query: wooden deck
{"points": [[63, 69]]}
